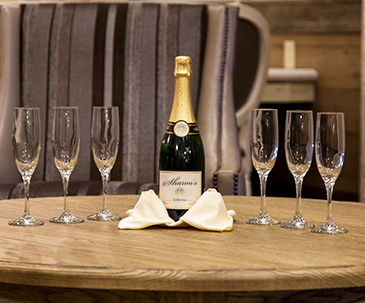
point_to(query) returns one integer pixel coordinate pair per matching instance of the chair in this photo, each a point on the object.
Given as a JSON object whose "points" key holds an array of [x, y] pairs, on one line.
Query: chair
{"points": [[251, 67], [118, 53]]}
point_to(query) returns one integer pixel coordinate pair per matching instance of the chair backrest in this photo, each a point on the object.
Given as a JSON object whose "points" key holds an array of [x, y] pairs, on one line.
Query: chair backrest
{"points": [[122, 54], [216, 114], [236, 59], [87, 54]]}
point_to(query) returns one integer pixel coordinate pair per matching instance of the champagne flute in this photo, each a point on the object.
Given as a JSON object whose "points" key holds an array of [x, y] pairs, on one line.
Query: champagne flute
{"points": [[104, 145], [298, 152], [330, 155], [65, 146], [26, 148], [264, 151]]}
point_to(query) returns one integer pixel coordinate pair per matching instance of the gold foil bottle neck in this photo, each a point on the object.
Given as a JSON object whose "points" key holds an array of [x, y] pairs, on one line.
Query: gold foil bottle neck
{"points": [[183, 66], [182, 108]]}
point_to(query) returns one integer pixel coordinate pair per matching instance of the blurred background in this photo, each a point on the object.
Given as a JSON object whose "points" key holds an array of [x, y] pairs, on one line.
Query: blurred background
{"points": [[315, 63], [327, 38]]}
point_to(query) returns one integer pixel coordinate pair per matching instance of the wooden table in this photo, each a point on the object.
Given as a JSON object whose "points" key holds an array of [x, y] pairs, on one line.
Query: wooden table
{"points": [[97, 262]]}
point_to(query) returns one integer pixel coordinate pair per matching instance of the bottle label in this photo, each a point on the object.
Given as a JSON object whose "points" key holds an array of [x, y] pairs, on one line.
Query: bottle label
{"points": [[181, 128], [180, 189]]}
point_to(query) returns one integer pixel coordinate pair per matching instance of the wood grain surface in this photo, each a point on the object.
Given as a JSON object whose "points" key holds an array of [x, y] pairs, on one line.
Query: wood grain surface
{"points": [[325, 16], [97, 255]]}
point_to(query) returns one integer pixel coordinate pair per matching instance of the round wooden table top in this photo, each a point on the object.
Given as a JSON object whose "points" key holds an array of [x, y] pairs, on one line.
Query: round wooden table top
{"points": [[97, 255]]}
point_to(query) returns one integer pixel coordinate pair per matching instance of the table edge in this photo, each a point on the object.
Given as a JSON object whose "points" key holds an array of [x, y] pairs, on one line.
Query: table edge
{"points": [[188, 280]]}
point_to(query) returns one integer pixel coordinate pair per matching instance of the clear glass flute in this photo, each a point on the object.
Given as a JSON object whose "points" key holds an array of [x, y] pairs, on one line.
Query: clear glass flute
{"points": [[26, 144], [65, 147], [298, 144], [264, 150], [330, 155], [104, 145]]}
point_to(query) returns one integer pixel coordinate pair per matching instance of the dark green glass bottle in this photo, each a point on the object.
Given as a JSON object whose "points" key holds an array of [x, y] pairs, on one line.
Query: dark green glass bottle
{"points": [[182, 152]]}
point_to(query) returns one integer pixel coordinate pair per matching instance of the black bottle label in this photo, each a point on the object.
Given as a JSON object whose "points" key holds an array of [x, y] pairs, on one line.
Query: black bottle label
{"points": [[181, 128]]}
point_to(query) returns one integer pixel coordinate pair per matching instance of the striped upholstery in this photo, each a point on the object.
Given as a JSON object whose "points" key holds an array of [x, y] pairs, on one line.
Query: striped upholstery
{"points": [[89, 54], [59, 62], [36, 24], [122, 54]]}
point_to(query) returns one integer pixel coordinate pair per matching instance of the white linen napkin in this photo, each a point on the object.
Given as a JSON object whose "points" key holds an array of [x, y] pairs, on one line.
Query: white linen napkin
{"points": [[208, 213]]}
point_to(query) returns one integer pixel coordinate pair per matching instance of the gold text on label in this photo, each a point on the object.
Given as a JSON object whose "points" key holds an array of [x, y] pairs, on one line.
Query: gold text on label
{"points": [[181, 98]]}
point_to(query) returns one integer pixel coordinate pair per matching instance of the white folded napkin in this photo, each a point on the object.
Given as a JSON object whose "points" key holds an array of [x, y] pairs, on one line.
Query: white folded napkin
{"points": [[208, 213]]}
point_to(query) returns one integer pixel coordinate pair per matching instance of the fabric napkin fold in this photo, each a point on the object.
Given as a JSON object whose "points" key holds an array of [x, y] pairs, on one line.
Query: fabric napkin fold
{"points": [[208, 213], [148, 211]]}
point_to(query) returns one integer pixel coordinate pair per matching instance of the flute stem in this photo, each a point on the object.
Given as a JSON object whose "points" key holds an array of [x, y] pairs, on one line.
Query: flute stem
{"points": [[263, 178], [329, 191], [105, 178], [26, 195], [65, 181], [298, 208]]}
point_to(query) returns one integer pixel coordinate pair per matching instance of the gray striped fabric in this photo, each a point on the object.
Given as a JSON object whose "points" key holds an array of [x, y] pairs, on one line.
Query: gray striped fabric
{"points": [[109, 54], [122, 54], [58, 76], [191, 23], [118, 79], [138, 162], [81, 79], [167, 50], [119, 54], [36, 25]]}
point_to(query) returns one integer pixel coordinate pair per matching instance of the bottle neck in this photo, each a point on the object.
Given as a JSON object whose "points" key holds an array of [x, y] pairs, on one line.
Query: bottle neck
{"points": [[182, 107]]}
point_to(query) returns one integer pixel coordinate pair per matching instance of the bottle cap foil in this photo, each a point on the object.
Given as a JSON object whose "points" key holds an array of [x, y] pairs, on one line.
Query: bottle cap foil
{"points": [[183, 66]]}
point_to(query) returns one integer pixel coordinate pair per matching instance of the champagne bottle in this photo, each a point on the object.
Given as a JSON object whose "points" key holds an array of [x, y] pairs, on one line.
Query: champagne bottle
{"points": [[182, 153]]}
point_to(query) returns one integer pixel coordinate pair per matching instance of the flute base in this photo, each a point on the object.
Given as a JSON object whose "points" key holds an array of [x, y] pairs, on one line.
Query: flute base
{"points": [[329, 228], [26, 221], [66, 218], [263, 219], [297, 223], [104, 215]]}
